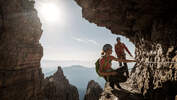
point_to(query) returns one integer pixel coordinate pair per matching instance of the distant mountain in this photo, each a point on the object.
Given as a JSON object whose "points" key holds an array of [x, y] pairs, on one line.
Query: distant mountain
{"points": [[78, 76]]}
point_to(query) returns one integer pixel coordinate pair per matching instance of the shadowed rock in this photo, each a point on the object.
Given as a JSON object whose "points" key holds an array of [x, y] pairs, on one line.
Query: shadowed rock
{"points": [[57, 87], [151, 26], [93, 91], [126, 93], [20, 51]]}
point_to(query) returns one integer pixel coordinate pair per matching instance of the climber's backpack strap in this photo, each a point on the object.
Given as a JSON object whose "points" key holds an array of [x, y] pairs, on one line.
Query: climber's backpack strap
{"points": [[97, 65]]}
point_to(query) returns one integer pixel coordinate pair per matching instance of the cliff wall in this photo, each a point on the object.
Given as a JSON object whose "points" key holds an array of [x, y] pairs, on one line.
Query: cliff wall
{"points": [[20, 51], [151, 26]]}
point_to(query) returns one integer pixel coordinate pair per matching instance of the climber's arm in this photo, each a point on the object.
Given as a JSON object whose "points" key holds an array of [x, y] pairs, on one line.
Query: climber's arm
{"points": [[115, 48], [107, 73], [123, 60], [127, 50]]}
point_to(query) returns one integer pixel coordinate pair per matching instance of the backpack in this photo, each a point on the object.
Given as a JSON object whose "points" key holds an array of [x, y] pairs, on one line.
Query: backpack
{"points": [[97, 66]]}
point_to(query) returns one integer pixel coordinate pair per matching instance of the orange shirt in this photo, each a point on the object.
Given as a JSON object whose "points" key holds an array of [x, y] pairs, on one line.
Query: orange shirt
{"points": [[119, 49], [106, 60]]}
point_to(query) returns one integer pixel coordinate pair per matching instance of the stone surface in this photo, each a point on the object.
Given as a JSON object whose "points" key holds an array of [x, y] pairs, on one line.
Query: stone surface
{"points": [[154, 75], [20, 51], [151, 26], [136, 19], [93, 91], [126, 93], [57, 87], [21, 77]]}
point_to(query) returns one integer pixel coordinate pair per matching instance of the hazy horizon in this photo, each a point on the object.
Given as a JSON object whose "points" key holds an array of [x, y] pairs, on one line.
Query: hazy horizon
{"points": [[73, 74]]}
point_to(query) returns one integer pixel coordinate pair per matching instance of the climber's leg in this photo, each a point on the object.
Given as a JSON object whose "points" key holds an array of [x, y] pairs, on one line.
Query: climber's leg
{"points": [[120, 77], [106, 79], [112, 84], [125, 65], [116, 79], [126, 70], [118, 85], [111, 80], [120, 63]]}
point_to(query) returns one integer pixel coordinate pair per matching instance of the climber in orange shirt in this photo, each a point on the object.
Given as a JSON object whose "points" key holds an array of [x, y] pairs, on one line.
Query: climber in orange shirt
{"points": [[120, 52], [111, 75]]}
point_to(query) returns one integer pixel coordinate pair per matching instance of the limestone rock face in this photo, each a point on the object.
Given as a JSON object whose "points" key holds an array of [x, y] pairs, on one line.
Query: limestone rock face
{"points": [[151, 20], [93, 91], [20, 51], [155, 73], [21, 77], [151, 26], [57, 87], [126, 93]]}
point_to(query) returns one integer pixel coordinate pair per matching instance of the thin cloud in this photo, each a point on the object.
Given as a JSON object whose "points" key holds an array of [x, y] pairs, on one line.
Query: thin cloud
{"points": [[93, 41], [79, 40], [85, 40]]}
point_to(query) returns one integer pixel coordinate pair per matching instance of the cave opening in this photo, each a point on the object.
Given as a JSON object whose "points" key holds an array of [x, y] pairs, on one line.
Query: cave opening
{"points": [[61, 26], [70, 41], [151, 25]]}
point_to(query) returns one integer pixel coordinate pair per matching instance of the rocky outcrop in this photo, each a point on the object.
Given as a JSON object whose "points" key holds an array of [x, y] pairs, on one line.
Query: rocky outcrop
{"points": [[93, 91], [150, 20], [126, 93], [151, 26], [155, 74], [20, 51], [57, 87]]}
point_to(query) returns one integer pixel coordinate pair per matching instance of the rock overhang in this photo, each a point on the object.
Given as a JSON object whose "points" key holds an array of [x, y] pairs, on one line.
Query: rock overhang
{"points": [[153, 21]]}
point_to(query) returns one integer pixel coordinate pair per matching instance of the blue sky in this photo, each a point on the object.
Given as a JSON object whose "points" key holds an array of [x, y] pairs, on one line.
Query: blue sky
{"points": [[67, 37]]}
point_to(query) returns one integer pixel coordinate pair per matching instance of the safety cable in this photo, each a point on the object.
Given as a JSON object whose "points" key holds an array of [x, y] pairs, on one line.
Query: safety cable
{"points": [[156, 63], [161, 62]]}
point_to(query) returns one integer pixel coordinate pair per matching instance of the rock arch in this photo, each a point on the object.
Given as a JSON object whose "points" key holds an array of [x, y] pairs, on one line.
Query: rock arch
{"points": [[150, 25]]}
